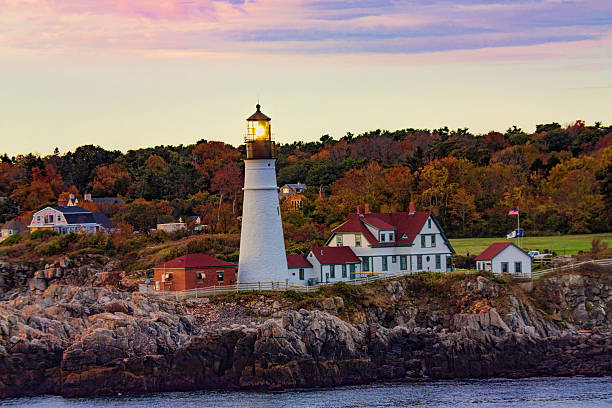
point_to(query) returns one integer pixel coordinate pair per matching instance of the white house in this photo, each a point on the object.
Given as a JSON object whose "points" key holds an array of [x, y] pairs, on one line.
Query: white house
{"points": [[172, 227], [324, 265], [376, 243], [301, 270], [395, 242], [504, 257], [69, 219]]}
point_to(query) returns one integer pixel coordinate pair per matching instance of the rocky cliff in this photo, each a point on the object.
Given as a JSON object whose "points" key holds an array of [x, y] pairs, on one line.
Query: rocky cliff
{"points": [[81, 340]]}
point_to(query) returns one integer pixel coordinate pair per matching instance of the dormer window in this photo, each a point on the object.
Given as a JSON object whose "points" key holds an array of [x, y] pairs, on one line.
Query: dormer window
{"points": [[357, 240], [339, 240], [391, 237], [382, 237]]}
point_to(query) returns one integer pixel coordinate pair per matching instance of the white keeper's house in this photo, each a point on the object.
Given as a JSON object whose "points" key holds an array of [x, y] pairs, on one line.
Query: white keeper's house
{"points": [[376, 243], [504, 257], [67, 219]]}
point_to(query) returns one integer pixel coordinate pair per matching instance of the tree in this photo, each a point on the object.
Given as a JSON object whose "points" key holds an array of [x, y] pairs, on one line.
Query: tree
{"points": [[111, 180], [463, 208], [228, 181]]}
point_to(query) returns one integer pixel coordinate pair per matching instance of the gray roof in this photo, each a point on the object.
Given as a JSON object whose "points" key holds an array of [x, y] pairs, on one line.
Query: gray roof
{"points": [[90, 218], [296, 186], [108, 200], [13, 225], [103, 220], [70, 209]]}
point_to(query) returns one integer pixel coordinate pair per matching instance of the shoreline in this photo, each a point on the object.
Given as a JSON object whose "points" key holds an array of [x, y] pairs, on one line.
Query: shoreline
{"points": [[77, 341]]}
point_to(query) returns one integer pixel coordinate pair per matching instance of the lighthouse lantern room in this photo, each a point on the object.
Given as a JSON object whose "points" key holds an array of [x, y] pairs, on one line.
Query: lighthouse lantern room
{"points": [[262, 245]]}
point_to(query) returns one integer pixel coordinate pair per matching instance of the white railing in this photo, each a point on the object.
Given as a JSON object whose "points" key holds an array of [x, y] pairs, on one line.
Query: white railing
{"points": [[285, 286], [538, 274], [262, 286]]}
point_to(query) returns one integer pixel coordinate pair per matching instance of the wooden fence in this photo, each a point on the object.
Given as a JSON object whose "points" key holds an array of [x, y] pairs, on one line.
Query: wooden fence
{"points": [[261, 286], [539, 274]]}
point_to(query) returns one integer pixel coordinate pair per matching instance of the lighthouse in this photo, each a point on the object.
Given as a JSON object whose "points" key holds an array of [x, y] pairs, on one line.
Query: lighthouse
{"points": [[262, 246]]}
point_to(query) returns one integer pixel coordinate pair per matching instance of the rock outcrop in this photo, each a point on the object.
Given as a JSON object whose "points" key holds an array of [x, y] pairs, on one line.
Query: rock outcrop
{"points": [[84, 341]]}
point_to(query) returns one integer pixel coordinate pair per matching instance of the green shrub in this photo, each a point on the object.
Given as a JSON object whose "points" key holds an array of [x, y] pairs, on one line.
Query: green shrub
{"points": [[43, 233], [53, 247], [12, 239]]}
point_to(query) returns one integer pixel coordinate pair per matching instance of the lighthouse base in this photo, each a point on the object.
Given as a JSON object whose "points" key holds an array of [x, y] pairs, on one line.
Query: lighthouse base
{"points": [[262, 245]]}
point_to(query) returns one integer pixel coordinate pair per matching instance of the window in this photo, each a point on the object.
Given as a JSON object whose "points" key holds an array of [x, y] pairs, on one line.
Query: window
{"points": [[352, 269], [427, 258], [301, 273], [219, 276], [438, 262], [382, 237], [394, 259], [433, 240], [423, 243], [201, 277], [518, 267], [365, 264], [385, 267], [344, 270], [504, 267], [419, 262], [429, 223], [332, 271], [391, 237], [357, 240], [403, 263], [338, 240], [38, 218], [49, 219]]}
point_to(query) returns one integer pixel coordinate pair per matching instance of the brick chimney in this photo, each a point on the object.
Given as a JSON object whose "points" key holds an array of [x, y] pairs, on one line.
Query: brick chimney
{"points": [[358, 209], [412, 208], [367, 208]]}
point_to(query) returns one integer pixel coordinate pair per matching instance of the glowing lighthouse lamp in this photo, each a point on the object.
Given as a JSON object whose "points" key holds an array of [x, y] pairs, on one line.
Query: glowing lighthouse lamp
{"points": [[262, 246]]}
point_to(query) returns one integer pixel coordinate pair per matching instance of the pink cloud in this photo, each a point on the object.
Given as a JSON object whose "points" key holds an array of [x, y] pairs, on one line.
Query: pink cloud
{"points": [[156, 9]]}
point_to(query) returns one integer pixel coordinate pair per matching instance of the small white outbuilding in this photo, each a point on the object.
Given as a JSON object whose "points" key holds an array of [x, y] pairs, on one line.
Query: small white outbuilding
{"points": [[504, 257]]}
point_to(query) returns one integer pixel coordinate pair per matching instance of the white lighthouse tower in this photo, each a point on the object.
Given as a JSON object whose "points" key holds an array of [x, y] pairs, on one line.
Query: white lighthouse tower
{"points": [[262, 246]]}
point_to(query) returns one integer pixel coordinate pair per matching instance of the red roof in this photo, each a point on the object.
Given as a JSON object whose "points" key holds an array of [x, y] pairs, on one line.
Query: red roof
{"points": [[298, 261], [195, 261], [404, 223], [378, 223], [335, 255], [492, 251]]}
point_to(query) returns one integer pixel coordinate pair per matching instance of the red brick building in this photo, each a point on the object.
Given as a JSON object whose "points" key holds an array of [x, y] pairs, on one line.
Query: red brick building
{"points": [[194, 271]]}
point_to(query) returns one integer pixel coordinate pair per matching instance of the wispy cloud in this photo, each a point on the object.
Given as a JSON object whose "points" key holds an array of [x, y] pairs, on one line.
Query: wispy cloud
{"points": [[293, 26]]}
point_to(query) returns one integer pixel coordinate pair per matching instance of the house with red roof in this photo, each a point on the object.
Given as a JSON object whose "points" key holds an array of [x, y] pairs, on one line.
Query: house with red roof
{"points": [[504, 257], [324, 264], [194, 271], [301, 271], [396, 242]]}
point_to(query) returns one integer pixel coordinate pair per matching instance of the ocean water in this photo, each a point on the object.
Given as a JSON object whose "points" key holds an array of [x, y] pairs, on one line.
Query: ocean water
{"points": [[530, 392]]}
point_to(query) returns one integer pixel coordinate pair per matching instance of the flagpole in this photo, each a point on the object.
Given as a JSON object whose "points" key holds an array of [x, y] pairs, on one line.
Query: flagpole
{"points": [[518, 224]]}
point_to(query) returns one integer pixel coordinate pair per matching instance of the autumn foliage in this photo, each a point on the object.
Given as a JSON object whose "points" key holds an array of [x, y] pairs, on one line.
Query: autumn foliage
{"points": [[558, 176]]}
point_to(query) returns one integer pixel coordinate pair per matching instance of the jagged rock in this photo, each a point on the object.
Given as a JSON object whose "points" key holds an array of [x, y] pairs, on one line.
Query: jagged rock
{"points": [[38, 284], [83, 341]]}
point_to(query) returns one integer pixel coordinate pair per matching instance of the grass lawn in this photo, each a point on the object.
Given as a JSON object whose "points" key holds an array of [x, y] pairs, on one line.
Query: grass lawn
{"points": [[573, 243]]}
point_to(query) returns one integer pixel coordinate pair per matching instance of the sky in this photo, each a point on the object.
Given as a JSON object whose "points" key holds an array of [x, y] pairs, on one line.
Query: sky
{"points": [[125, 74]]}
